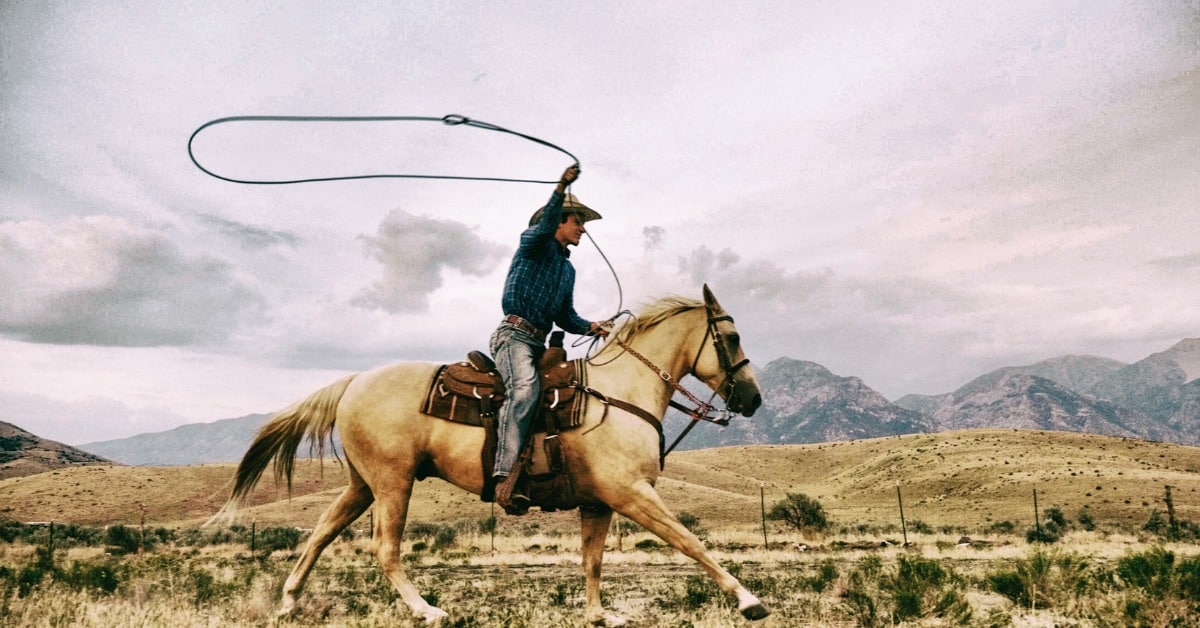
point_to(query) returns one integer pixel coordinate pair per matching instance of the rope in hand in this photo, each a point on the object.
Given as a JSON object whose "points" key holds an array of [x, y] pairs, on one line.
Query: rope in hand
{"points": [[449, 120]]}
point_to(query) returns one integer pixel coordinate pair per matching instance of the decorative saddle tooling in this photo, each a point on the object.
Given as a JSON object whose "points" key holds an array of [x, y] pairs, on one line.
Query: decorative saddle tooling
{"points": [[471, 392]]}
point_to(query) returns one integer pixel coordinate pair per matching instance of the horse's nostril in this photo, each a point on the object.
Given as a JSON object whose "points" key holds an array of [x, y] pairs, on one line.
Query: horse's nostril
{"points": [[750, 409]]}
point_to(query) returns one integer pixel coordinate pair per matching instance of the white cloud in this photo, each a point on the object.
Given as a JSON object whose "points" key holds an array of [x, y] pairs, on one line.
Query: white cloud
{"points": [[103, 280], [415, 252]]}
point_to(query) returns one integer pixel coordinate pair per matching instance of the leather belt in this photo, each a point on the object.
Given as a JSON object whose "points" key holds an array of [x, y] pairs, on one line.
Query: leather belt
{"points": [[525, 326]]}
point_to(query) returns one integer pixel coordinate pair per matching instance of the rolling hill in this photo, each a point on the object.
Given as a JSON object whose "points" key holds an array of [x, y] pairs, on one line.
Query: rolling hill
{"points": [[967, 478], [195, 443], [22, 453]]}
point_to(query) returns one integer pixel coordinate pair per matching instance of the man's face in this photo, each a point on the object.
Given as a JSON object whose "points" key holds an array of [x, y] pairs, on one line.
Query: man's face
{"points": [[570, 230]]}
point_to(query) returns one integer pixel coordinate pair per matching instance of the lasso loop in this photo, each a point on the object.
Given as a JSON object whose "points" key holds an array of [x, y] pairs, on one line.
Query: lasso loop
{"points": [[452, 119], [449, 120]]}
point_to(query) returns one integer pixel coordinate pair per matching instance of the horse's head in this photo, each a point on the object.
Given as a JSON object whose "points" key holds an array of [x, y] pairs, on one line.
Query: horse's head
{"points": [[722, 365]]}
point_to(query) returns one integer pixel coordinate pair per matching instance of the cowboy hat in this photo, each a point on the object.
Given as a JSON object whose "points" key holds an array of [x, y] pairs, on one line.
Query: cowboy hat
{"points": [[571, 205]]}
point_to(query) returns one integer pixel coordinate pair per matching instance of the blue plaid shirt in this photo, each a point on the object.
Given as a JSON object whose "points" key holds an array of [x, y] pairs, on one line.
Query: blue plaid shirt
{"points": [[541, 279]]}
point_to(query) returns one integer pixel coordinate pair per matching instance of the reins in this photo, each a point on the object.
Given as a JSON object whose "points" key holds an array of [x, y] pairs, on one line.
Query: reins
{"points": [[702, 410]]}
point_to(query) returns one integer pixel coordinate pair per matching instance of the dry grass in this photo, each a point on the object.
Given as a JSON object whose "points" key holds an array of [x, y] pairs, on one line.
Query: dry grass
{"points": [[968, 478], [537, 581]]}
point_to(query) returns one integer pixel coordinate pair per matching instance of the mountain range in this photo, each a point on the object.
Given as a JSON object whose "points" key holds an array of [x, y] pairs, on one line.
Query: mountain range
{"points": [[1157, 398]]}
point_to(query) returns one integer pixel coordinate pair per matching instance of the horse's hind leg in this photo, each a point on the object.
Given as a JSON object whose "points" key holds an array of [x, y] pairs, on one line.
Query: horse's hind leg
{"points": [[645, 506], [342, 512], [594, 523], [391, 512]]}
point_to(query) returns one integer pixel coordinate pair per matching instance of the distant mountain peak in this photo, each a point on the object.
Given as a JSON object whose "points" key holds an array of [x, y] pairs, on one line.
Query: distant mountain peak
{"points": [[1186, 354]]}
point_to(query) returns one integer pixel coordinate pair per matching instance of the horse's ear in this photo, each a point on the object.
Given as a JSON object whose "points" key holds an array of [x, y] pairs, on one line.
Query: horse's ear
{"points": [[709, 299]]}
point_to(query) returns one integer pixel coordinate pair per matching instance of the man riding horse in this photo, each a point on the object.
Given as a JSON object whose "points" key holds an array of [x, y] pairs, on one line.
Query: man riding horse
{"points": [[538, 293]]}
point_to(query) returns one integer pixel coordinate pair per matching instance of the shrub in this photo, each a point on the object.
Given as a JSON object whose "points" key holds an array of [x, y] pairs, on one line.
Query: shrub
{"points": [[1047, 533], [1055, 515], [1085, 520], [690, 521], [920, 527], [1156, 524], [121, 540], [921, 588], [100, 577], [1043, 579], [827, 573], [445, 538], [1002, 527], [419, 529], [801, 512], [1152, 570], [1189, 578], [277, 538]]}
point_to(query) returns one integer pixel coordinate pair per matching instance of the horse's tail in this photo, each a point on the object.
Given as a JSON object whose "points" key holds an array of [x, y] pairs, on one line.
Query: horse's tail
{"points": [[279, 439]]}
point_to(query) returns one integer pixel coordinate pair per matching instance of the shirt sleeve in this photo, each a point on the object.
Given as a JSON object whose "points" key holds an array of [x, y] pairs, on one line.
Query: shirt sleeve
{"points": [[569, 320], [534, 237]]}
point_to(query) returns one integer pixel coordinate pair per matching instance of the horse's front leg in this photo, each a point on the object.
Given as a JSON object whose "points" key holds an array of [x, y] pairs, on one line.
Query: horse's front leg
{"points": [[644, 505], [594, 523]]}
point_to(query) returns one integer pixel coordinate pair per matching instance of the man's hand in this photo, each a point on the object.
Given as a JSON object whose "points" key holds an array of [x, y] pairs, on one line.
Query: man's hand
{"points": [[599, 329], [568, 177]]}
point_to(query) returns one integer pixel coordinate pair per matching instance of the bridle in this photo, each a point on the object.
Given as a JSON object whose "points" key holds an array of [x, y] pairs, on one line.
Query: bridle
{"points": [[702, 410]]}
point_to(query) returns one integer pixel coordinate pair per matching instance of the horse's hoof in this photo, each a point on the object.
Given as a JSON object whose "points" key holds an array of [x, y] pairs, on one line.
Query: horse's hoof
{"points": [[755, 612], [287, 611], [433, 614]]}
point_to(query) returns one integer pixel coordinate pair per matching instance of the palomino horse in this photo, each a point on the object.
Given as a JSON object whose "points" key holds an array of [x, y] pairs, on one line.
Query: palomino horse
{"points": [[614, 454]]}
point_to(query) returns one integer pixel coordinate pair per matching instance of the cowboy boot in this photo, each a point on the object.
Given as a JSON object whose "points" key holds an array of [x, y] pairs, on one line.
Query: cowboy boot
{"points": [[511, 499]]}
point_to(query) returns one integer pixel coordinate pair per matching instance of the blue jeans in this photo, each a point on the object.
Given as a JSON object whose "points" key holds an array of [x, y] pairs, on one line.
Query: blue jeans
{"points": [[516, 354]]}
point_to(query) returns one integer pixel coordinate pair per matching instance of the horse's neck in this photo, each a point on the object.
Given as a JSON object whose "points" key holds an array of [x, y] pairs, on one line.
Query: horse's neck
{"points": [[667, 347]]}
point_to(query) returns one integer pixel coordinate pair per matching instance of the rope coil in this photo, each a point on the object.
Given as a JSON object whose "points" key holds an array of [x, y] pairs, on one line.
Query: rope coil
{"points": [[448, 120]]}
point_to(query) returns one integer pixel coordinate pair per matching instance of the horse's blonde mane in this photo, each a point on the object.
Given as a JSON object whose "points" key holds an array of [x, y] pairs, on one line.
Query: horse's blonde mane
{"points": [[653, 314]]}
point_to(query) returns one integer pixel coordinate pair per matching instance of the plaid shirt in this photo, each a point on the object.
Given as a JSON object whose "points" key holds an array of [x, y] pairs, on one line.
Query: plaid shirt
{"points": [[541, 279]]}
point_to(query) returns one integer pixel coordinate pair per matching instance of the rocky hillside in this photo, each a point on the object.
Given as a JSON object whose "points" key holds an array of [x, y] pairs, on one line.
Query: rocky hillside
{"points": [[1157, 398], [1164, 386], [22, 453], [805, 403], [1010, 399]]}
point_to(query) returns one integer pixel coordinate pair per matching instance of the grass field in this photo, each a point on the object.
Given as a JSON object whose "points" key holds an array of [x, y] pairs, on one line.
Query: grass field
{"points": [[1086, 579], [976, 483]]}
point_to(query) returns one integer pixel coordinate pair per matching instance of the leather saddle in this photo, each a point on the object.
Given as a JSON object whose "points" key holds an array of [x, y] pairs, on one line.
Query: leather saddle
{"points": [[471, 392]]}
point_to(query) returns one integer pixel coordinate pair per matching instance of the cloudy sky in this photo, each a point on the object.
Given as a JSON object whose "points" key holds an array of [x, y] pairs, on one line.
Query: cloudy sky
{"points": [[910, 192]]}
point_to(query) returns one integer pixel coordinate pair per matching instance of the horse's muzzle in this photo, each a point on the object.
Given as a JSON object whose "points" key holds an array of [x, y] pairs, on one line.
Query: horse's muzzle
{"points": [[745, 399]]}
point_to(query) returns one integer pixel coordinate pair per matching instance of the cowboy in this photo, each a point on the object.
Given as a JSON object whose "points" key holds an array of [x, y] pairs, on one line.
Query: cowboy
{"points": [[538, 293]]}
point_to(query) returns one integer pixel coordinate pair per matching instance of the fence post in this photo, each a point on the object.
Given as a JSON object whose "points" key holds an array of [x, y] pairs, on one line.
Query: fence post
{"points": [[903, 525], [253, 536], [762, 500], [1037, 521], [1170, 509]]}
